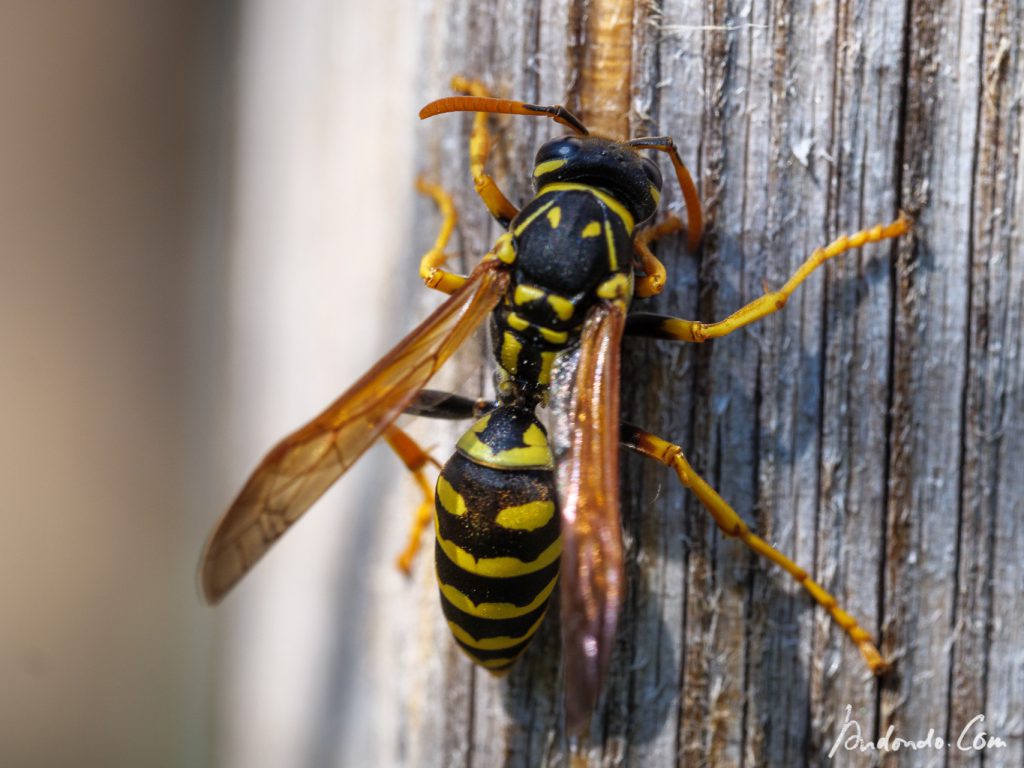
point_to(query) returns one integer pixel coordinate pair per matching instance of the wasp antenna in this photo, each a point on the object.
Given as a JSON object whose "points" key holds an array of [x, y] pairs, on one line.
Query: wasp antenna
{"points": [[694, 214], [558, 113]]}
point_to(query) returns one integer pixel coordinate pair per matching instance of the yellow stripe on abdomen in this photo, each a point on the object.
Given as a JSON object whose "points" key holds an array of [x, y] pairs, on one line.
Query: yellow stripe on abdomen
{"points": [[497, 567], [492, 643], [496, 610], [449, 498]]}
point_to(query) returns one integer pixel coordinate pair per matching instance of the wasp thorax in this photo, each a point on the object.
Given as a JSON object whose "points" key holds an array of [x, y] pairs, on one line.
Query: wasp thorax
{"points": [[612, 166]]}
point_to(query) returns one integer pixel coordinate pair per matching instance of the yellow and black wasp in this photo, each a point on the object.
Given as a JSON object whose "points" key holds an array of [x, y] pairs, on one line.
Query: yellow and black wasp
{"points": [[513, 517]]}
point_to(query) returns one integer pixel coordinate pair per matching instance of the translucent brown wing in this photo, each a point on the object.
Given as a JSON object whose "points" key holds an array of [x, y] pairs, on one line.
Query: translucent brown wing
{"points": [[588, 480], [298, 470]]}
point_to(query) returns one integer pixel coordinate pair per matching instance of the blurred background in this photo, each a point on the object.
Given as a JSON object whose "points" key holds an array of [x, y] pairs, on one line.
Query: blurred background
{"points": [[197, 199]]}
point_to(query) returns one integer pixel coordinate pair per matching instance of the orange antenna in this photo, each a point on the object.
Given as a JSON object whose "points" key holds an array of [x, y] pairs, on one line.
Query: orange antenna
{"points": [[558, 113], [694, 215]]}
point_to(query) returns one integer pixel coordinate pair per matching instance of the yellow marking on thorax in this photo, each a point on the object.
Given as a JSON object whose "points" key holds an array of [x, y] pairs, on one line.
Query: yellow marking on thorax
{"points": [[547, 167], [503, 249], [547, 360], [521, 324], [510, 349], [526, 517], [524, 294], [551, 336], [517, 322], [656, 194], [521, 227], [618, 286], [451, 500], [555, 217], [495, 610], [593, 229], [493, 643], [610, 202], [561, 305], [496, 567], [609, 239]]}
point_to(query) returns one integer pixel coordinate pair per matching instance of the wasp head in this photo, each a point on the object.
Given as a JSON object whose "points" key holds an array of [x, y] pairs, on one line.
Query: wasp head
{"points": [[609, 165]]}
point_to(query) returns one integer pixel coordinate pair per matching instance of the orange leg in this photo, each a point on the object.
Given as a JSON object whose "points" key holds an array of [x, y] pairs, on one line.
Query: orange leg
{"points": [[732, 525], [432, 264], [479, 148], [415, 459], [677, 329], [653, 280]]}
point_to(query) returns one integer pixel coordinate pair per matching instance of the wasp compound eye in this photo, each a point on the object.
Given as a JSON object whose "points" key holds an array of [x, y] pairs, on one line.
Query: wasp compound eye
{"points": [[652, 172], [564, 148], [555, 154]]}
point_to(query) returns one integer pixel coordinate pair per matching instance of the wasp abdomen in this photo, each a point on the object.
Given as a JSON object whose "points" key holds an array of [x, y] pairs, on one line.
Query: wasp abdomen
{"points": [[498, 542]]}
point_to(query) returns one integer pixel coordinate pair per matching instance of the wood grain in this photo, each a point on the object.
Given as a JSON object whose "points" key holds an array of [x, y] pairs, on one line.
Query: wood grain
{"points": [[871, 430]]}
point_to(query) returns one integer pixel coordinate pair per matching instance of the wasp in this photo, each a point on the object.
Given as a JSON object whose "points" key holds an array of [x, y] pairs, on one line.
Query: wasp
{"points": [[514, 516]]}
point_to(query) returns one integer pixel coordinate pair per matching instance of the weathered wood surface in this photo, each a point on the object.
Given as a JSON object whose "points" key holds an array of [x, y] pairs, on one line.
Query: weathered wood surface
{"points": [[872, 430]]}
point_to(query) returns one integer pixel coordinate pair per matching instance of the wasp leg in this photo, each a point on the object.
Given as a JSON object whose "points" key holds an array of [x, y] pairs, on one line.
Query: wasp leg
{"points": [[435, 404], [731, 524], [415, 459], [677, 329], [694, 214], [653, 280], [433, 260], [479, 148]]}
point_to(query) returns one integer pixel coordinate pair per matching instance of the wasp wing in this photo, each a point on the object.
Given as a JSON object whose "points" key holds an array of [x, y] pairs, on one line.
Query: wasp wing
{"points": [[587, 462], [300, 468]]}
